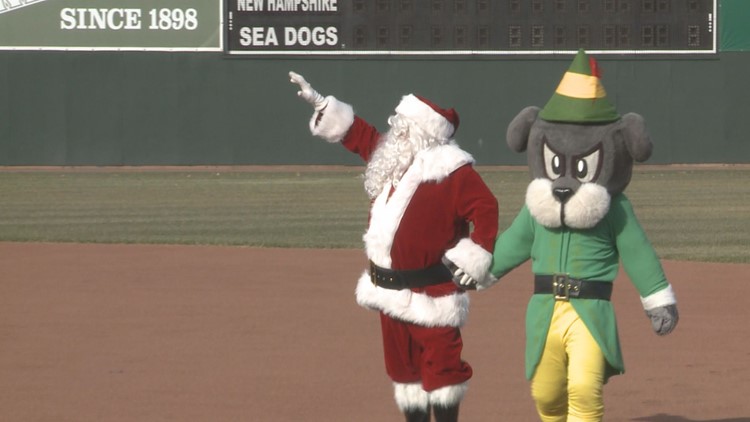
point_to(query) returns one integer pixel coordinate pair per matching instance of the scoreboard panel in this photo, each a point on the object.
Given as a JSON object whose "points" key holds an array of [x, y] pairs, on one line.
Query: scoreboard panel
{"points": [[469, 27]]}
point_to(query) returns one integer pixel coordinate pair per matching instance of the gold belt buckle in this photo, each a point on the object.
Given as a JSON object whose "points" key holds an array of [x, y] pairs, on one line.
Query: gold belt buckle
{"points": [[561, 287], [373, 276]]}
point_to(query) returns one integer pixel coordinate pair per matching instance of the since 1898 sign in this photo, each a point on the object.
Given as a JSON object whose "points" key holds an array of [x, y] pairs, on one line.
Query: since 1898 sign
{"points": [[162, 25]]}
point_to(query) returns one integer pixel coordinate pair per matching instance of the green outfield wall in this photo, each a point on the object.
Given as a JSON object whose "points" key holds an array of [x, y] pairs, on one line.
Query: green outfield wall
{"points": [[159, 108], [156, 108], [203, 82]]}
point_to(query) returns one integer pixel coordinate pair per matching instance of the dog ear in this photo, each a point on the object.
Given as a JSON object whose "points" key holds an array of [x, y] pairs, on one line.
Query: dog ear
{"points": [[637, 139], [517, 135]]}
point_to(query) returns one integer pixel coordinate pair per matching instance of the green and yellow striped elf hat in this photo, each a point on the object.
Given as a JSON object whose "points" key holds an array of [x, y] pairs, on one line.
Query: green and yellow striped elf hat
{"points": [[580, 97]]}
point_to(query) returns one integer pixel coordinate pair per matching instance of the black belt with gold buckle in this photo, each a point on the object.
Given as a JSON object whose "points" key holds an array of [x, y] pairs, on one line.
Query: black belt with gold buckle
{"points": [[409, 279], [564, 287]]}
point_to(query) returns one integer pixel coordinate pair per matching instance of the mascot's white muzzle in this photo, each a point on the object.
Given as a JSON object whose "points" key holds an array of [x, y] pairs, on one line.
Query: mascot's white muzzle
{"points": [[580, 208]]}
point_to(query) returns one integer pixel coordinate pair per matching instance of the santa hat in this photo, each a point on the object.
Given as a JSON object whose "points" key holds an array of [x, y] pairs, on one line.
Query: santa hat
{"points": [[436, 121], [580, 97]]}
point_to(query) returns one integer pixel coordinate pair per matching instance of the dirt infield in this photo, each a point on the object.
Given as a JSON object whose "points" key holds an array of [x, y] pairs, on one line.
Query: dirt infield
{"points": [[185, 333]]}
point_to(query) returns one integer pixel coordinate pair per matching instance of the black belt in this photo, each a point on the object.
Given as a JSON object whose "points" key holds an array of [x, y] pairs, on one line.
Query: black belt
{"points": [[409, 279], [564, 287]]}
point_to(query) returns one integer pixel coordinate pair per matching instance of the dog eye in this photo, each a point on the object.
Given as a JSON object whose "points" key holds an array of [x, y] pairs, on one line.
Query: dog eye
{"points": [[586, 168], [582, 169], [554, 165]]}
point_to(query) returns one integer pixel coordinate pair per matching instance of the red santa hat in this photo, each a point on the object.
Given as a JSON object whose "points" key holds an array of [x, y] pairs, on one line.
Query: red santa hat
{"points": [[438, 122]]}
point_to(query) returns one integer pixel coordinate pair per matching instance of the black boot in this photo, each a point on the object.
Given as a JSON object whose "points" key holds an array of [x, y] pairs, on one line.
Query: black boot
{"points": [[417, 415], [446, 414]]}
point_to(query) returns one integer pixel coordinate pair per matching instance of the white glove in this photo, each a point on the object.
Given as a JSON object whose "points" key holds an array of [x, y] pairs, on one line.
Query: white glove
{"points": [[307, 92], [460, 278], [463, 279]]}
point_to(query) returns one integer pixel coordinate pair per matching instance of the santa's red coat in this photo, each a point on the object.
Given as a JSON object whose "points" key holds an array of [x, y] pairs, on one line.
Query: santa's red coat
{"points": [[428, 215]]}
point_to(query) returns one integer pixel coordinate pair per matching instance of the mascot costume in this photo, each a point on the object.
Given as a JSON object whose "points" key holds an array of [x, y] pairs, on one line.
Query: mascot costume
{"points": [[426, 197], [576, 225]]}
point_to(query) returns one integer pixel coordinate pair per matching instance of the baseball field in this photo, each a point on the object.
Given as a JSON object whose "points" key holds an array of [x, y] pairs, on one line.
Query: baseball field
{"points": [[226, 294]]}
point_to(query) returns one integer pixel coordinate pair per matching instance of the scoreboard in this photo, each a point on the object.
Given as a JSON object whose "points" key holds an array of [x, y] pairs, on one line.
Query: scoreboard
{"points": [[469, 27]]}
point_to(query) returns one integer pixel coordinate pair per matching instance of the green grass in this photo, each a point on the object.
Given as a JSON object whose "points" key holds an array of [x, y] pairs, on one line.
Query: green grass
{"points": [[239, 208], [696, 214]]}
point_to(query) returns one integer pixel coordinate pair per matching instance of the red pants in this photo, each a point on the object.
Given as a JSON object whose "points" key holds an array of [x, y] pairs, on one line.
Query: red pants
{"points": [[430, 355]]}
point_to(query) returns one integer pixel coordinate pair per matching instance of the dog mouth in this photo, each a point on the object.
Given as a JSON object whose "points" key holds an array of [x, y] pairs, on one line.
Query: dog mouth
{"points": [[542, 204], [562, 195], [562, 215], [564, 207]]}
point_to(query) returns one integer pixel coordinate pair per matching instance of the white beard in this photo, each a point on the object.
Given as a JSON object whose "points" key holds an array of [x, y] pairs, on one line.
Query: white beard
{"points": [[394, 155]]}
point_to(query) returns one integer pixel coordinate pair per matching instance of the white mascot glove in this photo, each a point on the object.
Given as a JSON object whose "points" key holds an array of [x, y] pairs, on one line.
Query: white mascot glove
{"points": [[663, 319], [460, 278], [307, 92]]}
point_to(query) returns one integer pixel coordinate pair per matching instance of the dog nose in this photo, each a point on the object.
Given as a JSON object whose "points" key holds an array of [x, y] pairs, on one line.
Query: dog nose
{"points": [[563, 194]]}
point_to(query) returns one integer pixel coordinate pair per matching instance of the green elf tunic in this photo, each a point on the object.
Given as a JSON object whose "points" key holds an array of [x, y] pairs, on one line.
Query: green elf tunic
{"points": [[588, 254]]}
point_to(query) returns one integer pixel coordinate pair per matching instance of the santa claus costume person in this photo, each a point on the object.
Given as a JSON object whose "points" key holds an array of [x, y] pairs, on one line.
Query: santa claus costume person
{"points": [[425, 195]]}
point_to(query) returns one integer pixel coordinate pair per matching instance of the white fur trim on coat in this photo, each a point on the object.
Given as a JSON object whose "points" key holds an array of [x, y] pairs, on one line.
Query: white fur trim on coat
{"points": [[473, 259], [433, 164], [416, 308], [425, 117], [410, 397], [438, 162], [430, 165], [661, 298], [335, 120]]}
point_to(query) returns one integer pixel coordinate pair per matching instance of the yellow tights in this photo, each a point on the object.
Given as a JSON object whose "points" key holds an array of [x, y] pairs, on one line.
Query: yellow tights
{"points": [[568, 383]]}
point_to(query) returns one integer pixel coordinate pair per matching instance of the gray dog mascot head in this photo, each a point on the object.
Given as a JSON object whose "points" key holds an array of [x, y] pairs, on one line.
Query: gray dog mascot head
{"points": [[580, 151]]}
